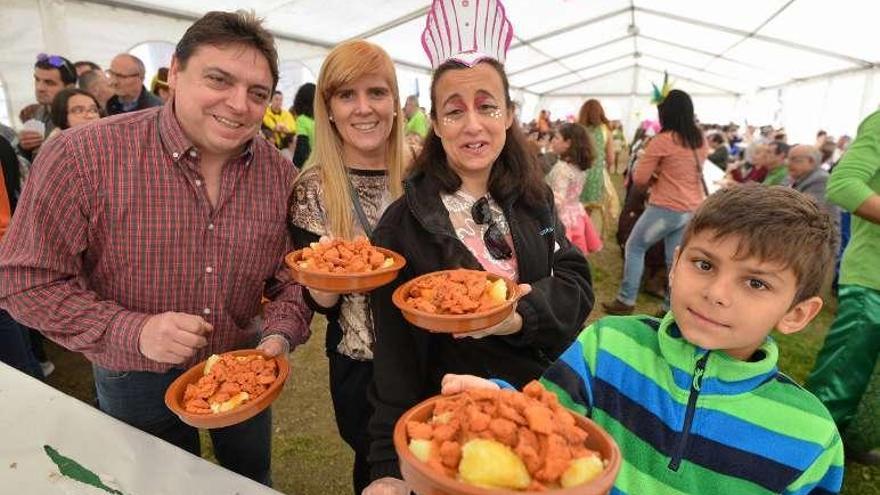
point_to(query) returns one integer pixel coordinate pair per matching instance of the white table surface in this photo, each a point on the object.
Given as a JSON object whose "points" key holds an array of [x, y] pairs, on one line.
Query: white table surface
{"points": [[33, 414]]}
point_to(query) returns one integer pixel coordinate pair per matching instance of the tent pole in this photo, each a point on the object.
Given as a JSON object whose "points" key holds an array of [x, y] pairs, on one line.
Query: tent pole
{"points": [[630, 120]]}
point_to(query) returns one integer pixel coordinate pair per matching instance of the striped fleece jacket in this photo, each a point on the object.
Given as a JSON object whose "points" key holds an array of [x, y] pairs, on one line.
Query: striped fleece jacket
{"points": [[693, 421]]}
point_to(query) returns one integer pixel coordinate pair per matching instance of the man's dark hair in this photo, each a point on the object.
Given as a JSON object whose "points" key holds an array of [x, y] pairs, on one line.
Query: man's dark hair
{"points": [[56, 62], [87, 63], [779, 148], [87, 78], [229, 28]]}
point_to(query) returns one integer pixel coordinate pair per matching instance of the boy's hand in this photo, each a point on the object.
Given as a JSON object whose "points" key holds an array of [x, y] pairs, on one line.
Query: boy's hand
{"points": [[453, 384], [386, 486]]}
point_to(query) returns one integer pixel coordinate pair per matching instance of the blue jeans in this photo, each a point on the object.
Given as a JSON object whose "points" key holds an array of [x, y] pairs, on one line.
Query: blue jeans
{"points": [[15, 347], [138, 399], [656, 223]]}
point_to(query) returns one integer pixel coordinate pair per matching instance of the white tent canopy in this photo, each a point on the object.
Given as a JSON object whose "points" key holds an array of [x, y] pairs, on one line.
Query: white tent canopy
{"points": [[802, 64]]}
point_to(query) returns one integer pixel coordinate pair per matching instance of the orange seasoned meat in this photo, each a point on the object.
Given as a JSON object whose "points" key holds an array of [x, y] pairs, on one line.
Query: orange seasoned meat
{"points": [[456, 292], [343, 256], [228, 382], [531, 424]]}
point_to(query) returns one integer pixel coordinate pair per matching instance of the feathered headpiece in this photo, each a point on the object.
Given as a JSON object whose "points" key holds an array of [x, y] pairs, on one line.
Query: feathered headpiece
{"points": [[660, 94], [466, 31]]}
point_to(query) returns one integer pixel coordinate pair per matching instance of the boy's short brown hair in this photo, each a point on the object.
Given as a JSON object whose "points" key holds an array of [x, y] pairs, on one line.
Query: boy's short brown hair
{"points": [[775, 224]]}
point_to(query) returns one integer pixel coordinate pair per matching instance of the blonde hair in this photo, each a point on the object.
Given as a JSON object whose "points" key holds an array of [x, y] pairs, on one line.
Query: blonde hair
{"points": [[346, 63]]}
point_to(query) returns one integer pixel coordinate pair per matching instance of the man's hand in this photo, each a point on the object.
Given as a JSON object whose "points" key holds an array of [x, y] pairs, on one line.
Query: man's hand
{"points": [[386, 486], [29, 140], [173, 337], [274, 345], [279, 127], [324, 299], [453, 384]]}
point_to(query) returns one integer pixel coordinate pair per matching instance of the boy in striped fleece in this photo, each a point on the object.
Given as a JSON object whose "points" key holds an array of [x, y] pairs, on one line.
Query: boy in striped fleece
{"points": [[695, 400]]}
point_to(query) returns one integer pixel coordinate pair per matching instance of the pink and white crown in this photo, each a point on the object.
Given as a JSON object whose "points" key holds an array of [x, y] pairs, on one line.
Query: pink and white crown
{"points": [[466, 31]]}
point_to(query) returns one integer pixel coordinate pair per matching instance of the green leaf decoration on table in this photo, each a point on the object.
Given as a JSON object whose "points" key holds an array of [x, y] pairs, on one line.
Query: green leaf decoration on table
{"points": [[77, 471]]}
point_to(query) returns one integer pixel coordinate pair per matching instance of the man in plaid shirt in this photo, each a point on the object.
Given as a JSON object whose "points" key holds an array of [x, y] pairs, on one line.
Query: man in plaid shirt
{"points": [[146, 240]]}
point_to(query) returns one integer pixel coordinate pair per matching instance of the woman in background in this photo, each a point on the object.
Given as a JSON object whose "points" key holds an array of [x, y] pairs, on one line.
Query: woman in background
{"points": [[73, 107], [673, 166]]}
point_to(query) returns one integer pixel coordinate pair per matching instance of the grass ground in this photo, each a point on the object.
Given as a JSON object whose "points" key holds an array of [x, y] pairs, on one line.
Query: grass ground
{"points": [[308, 456]]}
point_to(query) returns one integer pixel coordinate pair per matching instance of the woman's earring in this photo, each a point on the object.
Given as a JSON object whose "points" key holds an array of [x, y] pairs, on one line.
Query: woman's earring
{"points": [[331, 118]]}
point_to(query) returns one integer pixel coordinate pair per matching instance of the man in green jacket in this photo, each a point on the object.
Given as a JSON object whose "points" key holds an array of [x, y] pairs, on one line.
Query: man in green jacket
{"points": [[844, 366]]}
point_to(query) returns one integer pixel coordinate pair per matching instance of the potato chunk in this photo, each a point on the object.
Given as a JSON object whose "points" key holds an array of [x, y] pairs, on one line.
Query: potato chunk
{"points": [[491, 464], [581, 470]]}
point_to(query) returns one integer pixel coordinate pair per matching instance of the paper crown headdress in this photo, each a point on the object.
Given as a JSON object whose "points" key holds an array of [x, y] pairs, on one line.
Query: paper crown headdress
{"points": [[661, 93], [466, 31]]}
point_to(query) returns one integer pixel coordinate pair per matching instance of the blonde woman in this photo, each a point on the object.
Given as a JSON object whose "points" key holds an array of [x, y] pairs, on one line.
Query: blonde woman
{"points": [[352, 174]]}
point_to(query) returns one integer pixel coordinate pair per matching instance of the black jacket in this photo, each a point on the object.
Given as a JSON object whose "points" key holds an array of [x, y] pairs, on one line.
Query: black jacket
{"points": [[10, 170], [410, 362], [145, 100]]}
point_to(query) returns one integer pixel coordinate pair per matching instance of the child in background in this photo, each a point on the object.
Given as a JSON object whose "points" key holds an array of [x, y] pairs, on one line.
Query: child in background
{"points": [[572, 145], [695, 400]]}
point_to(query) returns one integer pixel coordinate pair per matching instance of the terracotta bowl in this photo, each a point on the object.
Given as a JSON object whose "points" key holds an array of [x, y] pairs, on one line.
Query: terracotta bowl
{"points": [[456, 323], [425, 481], [344, 283], [174, 396]]}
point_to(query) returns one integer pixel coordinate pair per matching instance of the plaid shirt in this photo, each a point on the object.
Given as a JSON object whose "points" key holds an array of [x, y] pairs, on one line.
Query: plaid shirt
{"points": [[115, 225]]}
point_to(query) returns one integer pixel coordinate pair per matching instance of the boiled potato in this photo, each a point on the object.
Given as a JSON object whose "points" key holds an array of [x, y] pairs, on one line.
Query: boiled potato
{"points": [[581, 470], [420, 448], [231, 404], [498, 290], [492, 464], [214, 359]]}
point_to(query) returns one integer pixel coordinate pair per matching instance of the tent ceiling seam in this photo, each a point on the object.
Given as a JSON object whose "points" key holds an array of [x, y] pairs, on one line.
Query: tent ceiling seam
{"points": [[755, 31], [685, 78], [592, 78], [571, 27], [569, 55], [591, 66], [393, 23], [702, 52], [761, 37]]}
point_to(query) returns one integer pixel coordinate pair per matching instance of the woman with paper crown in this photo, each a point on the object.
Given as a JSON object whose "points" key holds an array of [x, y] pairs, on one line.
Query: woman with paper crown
{"points": [[475, 199], [352, 175]]}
